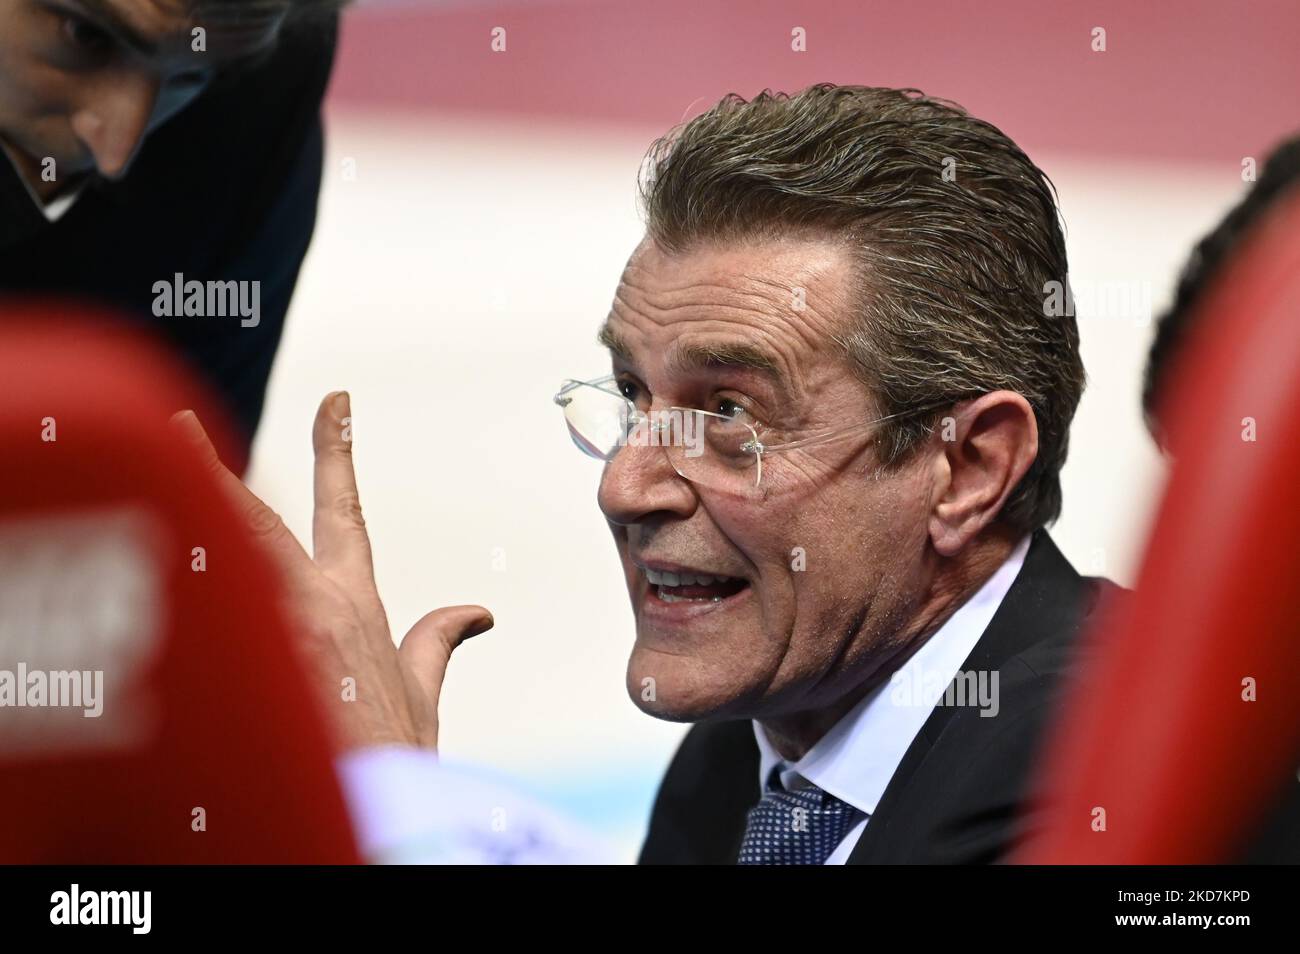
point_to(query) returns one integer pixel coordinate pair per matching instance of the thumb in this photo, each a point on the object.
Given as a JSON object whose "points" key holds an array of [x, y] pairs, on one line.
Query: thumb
{"points": [[428, 645]]}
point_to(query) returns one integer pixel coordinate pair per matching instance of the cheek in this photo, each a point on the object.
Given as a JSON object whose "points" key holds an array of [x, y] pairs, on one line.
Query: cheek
{"points": [[766, 536], [31, 91], [16, 93], [850, 546]]}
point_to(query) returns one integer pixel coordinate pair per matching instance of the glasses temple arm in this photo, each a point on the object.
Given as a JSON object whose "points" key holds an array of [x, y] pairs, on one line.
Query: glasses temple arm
{"points": [[849, 428]]}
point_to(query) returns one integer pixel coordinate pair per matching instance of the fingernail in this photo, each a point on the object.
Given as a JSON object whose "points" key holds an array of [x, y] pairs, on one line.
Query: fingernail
{"points": [[482, 626], [341, 405]]}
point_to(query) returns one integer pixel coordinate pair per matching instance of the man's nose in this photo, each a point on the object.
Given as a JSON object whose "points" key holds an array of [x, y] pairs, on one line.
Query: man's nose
{"points": [[113, 124], [641, 481]]}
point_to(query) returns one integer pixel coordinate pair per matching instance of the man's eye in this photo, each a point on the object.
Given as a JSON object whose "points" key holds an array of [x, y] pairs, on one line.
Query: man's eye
{"points": [[629, 390], [736, 411], [85, 36]]}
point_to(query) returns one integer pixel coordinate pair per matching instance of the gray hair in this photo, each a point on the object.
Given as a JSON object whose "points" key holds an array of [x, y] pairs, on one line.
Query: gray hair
{"points": [[954, 231]]}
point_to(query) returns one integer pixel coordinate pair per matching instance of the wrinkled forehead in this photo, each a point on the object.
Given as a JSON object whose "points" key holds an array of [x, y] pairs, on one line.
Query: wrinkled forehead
{"points": [[772, 309], [232, 28]]}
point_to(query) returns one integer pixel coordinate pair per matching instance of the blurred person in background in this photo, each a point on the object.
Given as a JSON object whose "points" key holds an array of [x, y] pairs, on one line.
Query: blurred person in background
{"points": [[1278, 179], [164, 157], [1277, 840]]}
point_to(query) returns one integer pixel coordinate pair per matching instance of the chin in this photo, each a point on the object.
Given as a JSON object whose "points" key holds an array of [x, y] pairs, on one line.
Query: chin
{"points": [[684, 688]]}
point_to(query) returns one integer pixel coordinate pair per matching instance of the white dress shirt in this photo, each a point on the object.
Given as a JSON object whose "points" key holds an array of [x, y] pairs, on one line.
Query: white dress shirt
{"points": [[855, 760]]}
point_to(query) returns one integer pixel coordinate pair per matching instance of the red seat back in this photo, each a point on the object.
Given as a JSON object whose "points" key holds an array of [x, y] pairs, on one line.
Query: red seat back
{"points": [[1162, 736], [209, 746]]}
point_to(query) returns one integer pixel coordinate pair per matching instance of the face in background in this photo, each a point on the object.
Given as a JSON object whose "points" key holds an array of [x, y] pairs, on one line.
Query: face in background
{"points": [[784, 640], [85, 81]]}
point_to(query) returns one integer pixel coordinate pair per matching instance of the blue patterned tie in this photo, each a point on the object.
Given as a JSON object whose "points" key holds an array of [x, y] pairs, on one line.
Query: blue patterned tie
{"points": [[801, 827]]}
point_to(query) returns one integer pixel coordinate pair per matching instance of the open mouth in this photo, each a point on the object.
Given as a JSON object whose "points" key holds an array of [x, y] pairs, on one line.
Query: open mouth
{"points": [[693, 587]]}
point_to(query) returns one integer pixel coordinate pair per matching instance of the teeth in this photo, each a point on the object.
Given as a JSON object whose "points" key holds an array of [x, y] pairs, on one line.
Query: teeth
{"points": [[670, 598], [659, 578]]}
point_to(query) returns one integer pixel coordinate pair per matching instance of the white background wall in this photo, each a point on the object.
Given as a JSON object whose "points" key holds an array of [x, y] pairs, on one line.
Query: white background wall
{"points": [[458, 278]]}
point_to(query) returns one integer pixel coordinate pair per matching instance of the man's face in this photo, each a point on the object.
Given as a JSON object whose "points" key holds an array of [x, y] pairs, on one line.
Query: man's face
{"points": [[824, 560], [84, 81]]}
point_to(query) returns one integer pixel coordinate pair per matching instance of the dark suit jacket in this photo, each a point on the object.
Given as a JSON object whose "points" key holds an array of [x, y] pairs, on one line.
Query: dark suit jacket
{"points": [[224, 191], [957, 796]]}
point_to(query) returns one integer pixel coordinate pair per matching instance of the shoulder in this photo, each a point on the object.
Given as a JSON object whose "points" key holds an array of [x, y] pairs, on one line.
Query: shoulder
{"points": [[965, 793], [711, 783]]}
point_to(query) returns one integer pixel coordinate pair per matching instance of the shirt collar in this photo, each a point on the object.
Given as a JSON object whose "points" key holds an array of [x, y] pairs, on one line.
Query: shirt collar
{"points": [[56, 208], [855, 760]]}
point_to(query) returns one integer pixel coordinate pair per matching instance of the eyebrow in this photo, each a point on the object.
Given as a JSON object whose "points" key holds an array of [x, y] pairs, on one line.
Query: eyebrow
{"points": [[701, 357], [109, 17]]}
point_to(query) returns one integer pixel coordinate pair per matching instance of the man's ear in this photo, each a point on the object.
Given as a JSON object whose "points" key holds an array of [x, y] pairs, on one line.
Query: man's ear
{"points": [[984, 447]]}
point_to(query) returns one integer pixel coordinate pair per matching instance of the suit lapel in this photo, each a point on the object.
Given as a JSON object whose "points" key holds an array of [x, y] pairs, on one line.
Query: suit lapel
{"points": [[1047, 598]]}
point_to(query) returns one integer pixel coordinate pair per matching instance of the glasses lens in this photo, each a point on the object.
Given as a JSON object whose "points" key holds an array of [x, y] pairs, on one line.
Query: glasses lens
{"points": [[707, 449], [597, 419], [713, 451]]}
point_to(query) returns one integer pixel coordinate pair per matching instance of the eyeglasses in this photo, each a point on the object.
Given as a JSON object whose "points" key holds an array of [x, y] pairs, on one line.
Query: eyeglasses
{"points": [[713, 450]]}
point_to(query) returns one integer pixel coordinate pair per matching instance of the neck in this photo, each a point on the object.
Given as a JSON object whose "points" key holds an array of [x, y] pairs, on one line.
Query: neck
{"points": [[954, 580]]}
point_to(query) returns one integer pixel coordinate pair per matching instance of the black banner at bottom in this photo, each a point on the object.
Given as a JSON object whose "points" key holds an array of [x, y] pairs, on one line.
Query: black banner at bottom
{"points": [[94, 904]]}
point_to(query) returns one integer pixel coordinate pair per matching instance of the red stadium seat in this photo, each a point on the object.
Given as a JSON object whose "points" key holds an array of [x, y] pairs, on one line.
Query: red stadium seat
{"points": [[1162, 735], [118, 555]]}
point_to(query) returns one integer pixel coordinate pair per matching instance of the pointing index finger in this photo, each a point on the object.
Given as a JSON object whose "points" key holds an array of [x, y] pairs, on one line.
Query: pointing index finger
{"points": [[339, 538]]}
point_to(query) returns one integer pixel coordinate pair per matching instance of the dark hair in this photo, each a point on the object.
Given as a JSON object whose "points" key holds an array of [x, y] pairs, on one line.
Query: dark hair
{"points": [[954, 231], [292, 11], [1280, 174]]}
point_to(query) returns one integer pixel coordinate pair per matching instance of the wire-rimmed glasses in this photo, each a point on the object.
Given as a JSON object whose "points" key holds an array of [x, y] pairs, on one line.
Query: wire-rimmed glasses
{"points": [[705, 447]]}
